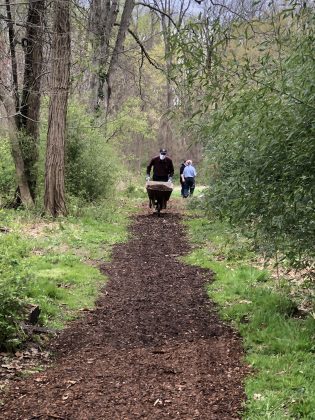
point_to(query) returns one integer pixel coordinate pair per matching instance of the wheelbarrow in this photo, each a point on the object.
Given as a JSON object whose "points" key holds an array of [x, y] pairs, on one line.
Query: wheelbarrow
{"points": [[159, 194]]}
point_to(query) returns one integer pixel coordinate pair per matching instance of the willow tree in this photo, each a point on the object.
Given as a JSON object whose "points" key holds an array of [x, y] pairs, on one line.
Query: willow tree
{"points": [[59, 86]]}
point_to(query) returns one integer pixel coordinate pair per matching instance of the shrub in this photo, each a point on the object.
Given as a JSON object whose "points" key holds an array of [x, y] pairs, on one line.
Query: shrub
{"points": [[91, 163], [260, 144], [7, 172], [13, 278]]}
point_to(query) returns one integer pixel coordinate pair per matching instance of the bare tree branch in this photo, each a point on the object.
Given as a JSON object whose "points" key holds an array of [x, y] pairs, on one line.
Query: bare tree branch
{"points": [[156, 9], [150, 60]]}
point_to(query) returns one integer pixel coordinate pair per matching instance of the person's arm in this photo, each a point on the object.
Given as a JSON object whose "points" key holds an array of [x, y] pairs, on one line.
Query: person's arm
{"points": [[183, 175]]}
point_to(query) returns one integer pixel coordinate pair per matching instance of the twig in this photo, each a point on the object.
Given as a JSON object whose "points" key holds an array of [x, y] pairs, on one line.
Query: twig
{"points": [[150, 60], [159, 11], [46, 415]]}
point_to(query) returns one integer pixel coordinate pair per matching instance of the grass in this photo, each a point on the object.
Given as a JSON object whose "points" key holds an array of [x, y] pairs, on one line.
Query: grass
{"points": [[279, 345], [177, 191], [54, 264]]}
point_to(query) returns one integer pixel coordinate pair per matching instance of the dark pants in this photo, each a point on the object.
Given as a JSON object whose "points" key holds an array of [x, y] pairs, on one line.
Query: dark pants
{"points": [[160, 178], [189, 187], [182, 188]]}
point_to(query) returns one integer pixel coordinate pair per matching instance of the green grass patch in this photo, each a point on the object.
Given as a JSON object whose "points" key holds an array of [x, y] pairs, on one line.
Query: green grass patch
{"points": [[60, 285], [199, 190], [279, 345], [54, 263]]}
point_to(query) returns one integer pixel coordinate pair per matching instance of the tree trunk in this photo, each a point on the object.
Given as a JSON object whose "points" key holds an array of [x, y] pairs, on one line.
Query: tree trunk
{"points": [[12, 42], [60, 75], [31, 96], [172, 14], [165, 132], [103, 16], [123, 27], [9, 105]]}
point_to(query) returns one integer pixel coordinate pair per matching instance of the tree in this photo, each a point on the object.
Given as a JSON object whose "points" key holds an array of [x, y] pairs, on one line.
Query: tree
{"points": [[23, 109], [31, 94], [59, 85], [172, 16], [9, 105], [103, 17]]}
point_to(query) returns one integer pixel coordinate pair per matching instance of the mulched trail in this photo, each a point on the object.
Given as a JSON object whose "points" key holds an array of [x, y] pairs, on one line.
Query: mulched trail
{"points": [[153, 348]]}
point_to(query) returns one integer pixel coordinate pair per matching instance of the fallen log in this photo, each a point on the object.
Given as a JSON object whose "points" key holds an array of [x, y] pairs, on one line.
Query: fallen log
{"points": [[36, 329]]}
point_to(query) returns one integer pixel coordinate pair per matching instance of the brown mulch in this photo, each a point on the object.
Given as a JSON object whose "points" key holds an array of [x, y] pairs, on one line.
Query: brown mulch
{"points": [[154, 347]]}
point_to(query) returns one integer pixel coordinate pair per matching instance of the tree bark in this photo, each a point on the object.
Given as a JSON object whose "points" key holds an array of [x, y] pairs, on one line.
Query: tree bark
{"points": [[165, 131], [167, 11], [11, 102], [31, 95], [23, 114], [55, 155], [103, 16], [23, 188], [123, 28], [12, 42]]}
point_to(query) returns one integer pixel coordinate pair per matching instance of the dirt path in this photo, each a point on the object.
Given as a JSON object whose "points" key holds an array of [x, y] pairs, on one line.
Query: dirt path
{"points": [[152, 349]]}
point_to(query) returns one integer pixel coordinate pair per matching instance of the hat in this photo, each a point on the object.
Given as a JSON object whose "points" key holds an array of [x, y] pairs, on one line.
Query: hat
{"points": [[163, 151]]}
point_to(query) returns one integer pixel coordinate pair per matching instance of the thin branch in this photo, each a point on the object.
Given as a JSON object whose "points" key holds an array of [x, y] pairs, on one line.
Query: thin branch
{"points": [[183, 12], [229, 10], [19, 4], [140, 74], [143, 50], [159, 11], [274, 89], [118, 130]]}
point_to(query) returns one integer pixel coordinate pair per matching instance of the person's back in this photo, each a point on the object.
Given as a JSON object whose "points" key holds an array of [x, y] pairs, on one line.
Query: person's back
{"points": [[189, 171], [188, 177]]}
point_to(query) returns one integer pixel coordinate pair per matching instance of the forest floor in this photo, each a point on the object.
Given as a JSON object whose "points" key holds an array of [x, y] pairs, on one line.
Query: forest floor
{"points": [[153, 348]]}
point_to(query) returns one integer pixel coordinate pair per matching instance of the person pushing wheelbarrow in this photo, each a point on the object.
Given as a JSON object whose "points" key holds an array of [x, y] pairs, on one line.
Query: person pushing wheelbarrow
{"points": [[160, 189], [163, 168]]}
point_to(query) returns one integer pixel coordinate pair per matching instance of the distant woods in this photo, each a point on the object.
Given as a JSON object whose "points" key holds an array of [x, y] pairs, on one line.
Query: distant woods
{"points": [[112, 59]]}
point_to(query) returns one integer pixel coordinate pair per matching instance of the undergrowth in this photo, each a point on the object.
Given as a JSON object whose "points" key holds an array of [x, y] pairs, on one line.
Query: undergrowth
{"points": [[278, 340], [53, 264]]}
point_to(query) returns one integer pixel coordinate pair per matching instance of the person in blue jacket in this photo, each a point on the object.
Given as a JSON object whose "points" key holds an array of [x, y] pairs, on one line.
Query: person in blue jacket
{"points": [[188, 177]]}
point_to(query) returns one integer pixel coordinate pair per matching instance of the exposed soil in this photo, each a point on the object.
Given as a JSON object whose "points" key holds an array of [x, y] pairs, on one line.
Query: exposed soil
{"points": [[153, 348]]}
